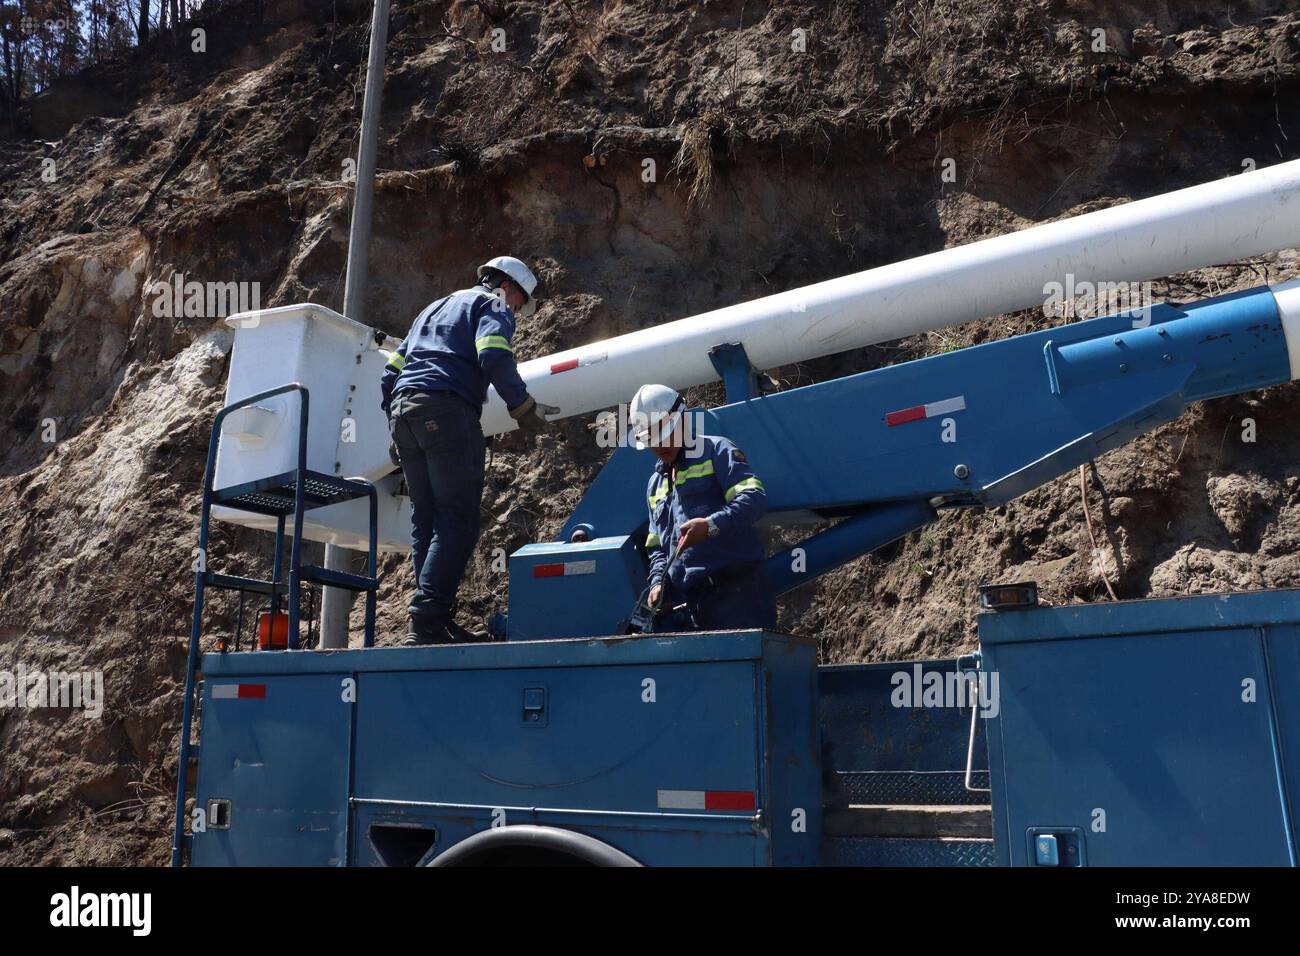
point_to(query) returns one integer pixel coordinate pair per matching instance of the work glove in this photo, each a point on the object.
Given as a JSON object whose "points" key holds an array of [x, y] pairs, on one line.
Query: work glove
{"points": [[531, 414], [393, 456]]}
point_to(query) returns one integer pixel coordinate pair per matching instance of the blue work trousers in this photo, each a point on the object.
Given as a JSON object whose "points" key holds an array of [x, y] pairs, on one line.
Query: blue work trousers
{"points": [[739, 595]]}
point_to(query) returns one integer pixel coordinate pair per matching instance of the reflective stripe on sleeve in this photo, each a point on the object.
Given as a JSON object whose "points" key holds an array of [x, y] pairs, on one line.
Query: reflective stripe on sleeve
{"points": [[749, 484], [652, 540], [493, 342], [398, 361]]}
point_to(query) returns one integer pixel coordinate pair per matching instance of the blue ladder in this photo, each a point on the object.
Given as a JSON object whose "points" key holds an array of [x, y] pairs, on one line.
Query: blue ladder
{"points": [[291, 493]]}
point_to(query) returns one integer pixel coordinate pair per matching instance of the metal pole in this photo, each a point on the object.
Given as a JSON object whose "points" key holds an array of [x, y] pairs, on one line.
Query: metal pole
{"points": [[336, 603]]}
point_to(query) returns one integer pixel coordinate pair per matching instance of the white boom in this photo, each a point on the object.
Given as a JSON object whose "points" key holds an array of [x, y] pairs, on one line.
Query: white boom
{"points": [[339, 361], [1222, 221]]}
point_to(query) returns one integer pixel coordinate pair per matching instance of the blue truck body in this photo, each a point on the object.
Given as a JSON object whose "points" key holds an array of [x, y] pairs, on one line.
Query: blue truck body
{"points": [[1178, 719]]}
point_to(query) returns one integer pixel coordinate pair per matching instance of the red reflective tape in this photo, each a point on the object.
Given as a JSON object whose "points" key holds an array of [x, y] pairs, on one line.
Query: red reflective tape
{"points": [[548, 570], [728, 800], [257, 691], [916, 413], [564, 366]]}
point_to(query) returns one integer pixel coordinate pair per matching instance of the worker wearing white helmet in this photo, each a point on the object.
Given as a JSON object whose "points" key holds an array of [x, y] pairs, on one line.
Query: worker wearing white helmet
{"points": [[519, 275], [433, 391], [703, 501]]}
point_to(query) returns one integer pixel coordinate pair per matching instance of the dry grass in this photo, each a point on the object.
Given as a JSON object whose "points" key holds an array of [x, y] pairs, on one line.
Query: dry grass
{"points": [[444, 176], [694, 160]]}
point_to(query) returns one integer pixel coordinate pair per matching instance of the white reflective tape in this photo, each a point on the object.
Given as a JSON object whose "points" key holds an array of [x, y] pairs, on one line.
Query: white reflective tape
{"points": [[225, 691], [957, 404], [680, 799], [579, 567]]}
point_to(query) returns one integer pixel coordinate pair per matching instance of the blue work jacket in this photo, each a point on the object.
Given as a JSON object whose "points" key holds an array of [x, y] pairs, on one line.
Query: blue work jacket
{"points": [[459, 344], [718, 483]]}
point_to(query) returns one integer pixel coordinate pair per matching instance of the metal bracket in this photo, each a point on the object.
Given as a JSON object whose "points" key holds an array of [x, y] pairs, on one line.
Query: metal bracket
{"points": [[738, 373], [1053, 377]]}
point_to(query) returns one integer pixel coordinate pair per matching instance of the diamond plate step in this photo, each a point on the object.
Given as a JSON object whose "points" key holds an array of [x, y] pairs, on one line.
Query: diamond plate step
{"points": [[883, 820], [893, 787], [896, 851]]}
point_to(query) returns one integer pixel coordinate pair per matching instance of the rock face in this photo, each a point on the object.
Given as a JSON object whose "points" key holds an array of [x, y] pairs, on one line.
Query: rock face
{"points": [[653, 160], [1244, 505]]}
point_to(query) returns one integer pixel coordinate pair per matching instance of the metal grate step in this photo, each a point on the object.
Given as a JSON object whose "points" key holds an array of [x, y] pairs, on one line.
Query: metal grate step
{"points": [[338, 579], [275, 495]]}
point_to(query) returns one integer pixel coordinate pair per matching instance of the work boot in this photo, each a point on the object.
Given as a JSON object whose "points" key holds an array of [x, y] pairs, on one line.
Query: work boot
{"points": [[459, 635], [421, 632]]}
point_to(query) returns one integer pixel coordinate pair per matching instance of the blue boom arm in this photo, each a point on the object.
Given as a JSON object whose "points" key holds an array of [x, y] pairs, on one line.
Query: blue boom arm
{"points": [[887, 450]]}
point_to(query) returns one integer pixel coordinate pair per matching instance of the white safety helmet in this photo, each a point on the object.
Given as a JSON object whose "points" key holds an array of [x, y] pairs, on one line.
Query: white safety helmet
{"points": [[651, 405], [520, 273]]}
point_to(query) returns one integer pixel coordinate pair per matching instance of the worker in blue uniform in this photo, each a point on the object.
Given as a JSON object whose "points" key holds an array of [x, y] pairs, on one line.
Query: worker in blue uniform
{"points": [[703, 501], [433, 391]]}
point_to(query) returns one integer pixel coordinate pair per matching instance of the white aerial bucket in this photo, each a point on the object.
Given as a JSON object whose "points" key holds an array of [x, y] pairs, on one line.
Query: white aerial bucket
{"points": [[340, 364]]}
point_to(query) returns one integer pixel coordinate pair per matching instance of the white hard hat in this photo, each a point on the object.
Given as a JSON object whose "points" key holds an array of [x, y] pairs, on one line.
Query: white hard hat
{"points": [[651, 405], [520, 273]]}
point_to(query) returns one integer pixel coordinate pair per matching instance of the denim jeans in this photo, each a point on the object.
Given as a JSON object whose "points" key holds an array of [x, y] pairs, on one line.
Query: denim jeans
{"points": [[443, 451]]}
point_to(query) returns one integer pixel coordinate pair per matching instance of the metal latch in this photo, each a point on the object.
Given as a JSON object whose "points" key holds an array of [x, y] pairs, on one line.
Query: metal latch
{"points": [[1046, 851], [218, 814], [1055, 846], [535, 706]]}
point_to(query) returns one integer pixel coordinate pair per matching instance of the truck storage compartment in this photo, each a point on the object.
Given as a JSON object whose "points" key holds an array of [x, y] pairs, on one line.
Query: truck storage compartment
{"points": [[674, 749], [273, 779], [1147, 733]]}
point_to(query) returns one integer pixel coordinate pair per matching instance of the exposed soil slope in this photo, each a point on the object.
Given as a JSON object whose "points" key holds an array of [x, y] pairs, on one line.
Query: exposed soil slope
{"points": [[775, 165]]}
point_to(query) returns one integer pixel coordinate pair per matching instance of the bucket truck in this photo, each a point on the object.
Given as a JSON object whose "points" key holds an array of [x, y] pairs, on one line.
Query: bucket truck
{"points": [[565, 740]]}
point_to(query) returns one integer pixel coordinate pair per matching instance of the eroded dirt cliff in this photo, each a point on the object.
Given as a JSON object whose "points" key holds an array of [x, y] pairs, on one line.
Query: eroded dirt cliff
{"points": [[775, 165]]}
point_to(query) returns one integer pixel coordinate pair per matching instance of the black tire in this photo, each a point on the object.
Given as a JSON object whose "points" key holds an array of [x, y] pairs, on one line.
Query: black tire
{"points": [[529, 845]]}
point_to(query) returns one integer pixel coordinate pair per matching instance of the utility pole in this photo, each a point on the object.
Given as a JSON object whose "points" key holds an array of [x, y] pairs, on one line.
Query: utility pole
{"points": [[336, 603]]}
